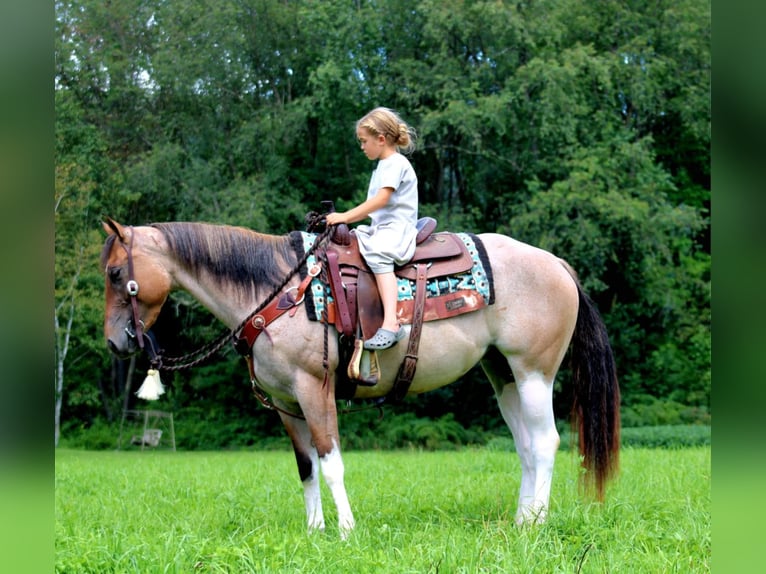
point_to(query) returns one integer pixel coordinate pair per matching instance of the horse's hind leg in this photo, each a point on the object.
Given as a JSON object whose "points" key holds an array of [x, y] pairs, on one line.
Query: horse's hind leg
{"points": [[308, 469], [527, 408]]}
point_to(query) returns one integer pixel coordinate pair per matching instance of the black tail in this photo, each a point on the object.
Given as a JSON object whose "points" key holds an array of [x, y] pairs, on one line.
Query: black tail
{"points": [[596, 408]]}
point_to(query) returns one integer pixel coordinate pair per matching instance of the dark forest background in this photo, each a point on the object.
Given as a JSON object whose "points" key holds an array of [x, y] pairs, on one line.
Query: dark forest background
{"points": [[580, 127]]}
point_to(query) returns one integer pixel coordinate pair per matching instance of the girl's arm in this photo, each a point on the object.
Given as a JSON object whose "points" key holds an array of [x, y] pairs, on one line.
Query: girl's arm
{"points": [[362, 210]]}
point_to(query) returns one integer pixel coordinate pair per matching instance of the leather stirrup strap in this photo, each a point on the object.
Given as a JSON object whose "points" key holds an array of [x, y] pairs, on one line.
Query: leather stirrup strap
{"points": [[409, 364], [341, 304]]}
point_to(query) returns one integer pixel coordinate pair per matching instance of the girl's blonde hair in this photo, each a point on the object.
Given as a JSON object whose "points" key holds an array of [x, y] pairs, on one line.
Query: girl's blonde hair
{"points": [[384, 121]]}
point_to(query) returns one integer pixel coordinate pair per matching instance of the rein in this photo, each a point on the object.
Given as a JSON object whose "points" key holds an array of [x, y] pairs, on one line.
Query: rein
{"points": [[158, 361]]}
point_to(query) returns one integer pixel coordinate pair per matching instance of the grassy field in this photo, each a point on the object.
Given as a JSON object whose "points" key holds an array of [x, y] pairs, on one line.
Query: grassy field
{"points": [[416, 512]]}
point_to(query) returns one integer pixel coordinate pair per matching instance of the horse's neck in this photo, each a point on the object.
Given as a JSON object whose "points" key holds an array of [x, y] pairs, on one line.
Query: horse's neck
{"points": [[221, 256], [227, 304], [222, 303]]}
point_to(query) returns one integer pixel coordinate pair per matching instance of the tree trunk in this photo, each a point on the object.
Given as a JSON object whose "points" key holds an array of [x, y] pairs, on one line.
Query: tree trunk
{"points": [[62, 347]]}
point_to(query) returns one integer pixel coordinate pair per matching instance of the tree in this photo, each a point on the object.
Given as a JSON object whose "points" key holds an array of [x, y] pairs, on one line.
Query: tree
{"points": [[80, 168]]}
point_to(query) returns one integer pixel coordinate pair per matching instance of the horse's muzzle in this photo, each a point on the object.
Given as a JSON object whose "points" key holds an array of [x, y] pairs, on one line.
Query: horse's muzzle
{"points": [[123, 346], [120, 352]]}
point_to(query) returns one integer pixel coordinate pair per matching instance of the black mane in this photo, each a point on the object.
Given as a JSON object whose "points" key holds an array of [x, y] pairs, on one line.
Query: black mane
{"points": [[233, 255]]}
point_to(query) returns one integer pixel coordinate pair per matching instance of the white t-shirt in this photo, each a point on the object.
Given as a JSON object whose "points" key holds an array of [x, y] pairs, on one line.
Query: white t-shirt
{"points": [[390, 238]]}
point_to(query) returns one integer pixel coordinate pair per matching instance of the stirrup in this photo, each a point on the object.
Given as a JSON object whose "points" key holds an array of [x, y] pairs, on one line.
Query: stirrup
{"points": [[363, 367]]}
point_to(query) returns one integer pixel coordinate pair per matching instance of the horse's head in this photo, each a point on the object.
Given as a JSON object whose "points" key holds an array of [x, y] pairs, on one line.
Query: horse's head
{"points": [[137, 285]]}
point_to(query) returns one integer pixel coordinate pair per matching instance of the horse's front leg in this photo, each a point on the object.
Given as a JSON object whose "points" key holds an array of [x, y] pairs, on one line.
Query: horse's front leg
{"points": [[308, 468], [318, 404]]}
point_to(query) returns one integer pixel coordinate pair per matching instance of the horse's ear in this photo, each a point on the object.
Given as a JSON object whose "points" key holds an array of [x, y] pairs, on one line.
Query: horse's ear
{"points": [[113, 228]]}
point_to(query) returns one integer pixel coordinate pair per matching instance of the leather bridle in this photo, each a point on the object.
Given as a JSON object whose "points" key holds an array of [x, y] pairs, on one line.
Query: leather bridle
{"points": [[132, 291]]}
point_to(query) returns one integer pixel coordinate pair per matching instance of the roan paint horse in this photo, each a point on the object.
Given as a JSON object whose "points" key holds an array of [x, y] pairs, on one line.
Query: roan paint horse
{"points": [[539, 312]]}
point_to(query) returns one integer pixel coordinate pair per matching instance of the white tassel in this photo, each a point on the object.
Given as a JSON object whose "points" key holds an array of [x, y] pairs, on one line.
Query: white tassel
{"points": [[152, 387]]}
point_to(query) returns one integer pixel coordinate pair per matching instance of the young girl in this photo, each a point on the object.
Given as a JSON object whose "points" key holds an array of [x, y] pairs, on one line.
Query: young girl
{"points": [[392, 205]]}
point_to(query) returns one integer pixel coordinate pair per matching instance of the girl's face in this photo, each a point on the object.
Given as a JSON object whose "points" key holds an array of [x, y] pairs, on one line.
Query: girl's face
{"points": [[373, 146]]}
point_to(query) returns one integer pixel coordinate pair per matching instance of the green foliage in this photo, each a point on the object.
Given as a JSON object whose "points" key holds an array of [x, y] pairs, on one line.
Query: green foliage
{"points": [[666, 436], [99, 435], [220, 426], [364, 431], [212, 428], [646, 411], [583, 128]]}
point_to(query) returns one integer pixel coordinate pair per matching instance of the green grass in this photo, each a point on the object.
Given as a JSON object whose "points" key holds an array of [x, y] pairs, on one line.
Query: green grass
{"points": [[416, 512]]}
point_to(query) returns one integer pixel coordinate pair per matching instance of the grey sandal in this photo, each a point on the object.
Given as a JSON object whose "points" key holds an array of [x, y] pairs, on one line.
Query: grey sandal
{"points": [[383, 339]]}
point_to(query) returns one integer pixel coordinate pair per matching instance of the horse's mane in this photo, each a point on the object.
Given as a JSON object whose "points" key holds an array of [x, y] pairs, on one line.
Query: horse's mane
{"points": [[232, 255]]}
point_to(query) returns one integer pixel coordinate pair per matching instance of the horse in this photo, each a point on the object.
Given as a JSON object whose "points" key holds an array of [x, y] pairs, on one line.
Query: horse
{"points": [[540, 313]]}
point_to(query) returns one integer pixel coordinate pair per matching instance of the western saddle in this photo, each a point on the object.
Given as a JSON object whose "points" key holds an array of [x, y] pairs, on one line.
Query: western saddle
{"points": [[356, 310]]}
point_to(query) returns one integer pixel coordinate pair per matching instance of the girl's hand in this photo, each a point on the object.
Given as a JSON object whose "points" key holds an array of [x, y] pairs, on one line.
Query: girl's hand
{"points": [[334, 218]]}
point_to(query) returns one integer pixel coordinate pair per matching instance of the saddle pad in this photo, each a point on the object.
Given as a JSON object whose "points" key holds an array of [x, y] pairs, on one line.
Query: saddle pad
{"points": [[478, 279]]}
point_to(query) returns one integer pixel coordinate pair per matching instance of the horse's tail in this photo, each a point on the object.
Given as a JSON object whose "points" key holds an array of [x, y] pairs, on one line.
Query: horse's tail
{"points": [[596, 408]]}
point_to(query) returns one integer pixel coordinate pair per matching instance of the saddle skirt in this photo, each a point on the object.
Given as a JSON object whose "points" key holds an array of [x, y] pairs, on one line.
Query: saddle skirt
{"points": [[458, 280]]}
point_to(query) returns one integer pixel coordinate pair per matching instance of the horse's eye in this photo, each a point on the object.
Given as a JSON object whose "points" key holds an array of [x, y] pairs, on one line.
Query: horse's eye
{"points": [[114, 274]]}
